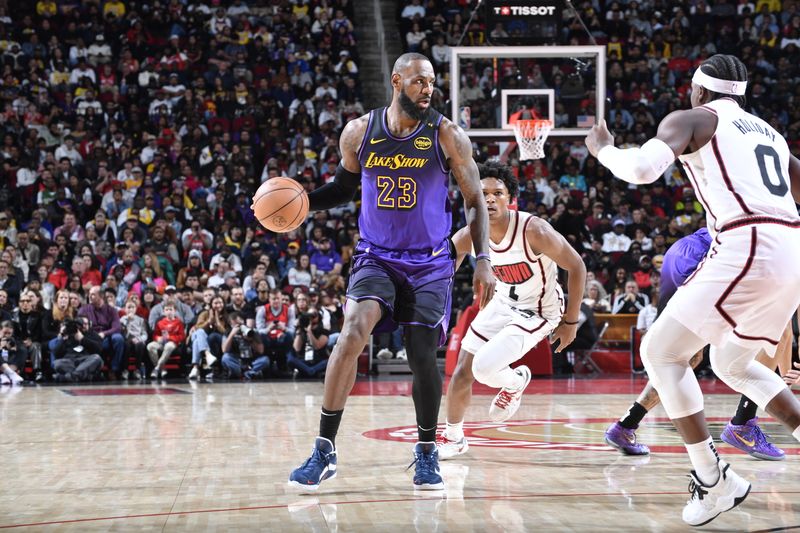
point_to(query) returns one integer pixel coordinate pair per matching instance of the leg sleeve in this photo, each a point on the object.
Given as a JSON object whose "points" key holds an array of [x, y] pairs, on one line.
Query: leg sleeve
{"points": [[666, 350]]}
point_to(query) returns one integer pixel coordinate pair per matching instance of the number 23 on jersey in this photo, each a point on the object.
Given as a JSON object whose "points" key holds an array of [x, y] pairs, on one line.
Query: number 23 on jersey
{"points": [[396, 192]]}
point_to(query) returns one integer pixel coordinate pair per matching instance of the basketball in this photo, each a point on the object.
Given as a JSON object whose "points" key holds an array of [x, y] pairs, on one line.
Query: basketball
{"points": [[280, 204], [460, 200]]}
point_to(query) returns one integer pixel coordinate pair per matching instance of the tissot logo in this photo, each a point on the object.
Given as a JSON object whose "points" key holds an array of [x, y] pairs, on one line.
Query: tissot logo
{"points": [[530, 11]]}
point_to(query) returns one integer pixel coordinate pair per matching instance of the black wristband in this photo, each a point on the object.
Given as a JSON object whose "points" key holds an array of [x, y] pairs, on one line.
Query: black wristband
{"points": [[567, 322]]}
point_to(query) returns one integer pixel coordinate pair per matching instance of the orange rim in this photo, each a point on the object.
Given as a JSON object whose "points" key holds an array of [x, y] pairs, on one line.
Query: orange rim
{"points": [[532, 126]]}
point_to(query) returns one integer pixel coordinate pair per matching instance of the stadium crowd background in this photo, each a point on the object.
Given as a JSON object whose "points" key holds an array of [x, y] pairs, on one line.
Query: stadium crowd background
{"points": [[134, 134]]}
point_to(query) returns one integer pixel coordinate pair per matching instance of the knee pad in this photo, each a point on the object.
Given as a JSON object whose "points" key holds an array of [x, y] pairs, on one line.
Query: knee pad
{"points": [[481, 368], [730, 367], [666, 350], [737, 367], [668, 341], [500, 352]]}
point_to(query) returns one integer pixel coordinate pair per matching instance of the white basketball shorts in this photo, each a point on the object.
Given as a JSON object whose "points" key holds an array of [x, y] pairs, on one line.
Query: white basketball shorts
{"points": [[746, 288], [498, 318]]}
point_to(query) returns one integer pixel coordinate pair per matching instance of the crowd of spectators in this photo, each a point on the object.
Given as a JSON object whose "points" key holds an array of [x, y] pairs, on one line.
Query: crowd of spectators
{"points": [[653, 47], [134, 134]]}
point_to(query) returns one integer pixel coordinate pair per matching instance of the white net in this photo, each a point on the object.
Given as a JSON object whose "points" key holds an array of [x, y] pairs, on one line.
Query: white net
{"points": [[531, 136]]}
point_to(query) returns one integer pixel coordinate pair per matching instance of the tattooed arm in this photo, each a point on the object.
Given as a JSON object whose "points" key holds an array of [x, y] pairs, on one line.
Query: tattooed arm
{"points": [[458, 150]]}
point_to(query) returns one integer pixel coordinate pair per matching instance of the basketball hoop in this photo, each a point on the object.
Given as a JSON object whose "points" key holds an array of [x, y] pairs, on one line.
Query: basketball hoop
{"points": [[531, 135]]}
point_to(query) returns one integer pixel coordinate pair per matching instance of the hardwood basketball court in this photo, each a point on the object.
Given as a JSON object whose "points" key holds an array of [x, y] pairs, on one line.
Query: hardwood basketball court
{"points": [[216, 457]]}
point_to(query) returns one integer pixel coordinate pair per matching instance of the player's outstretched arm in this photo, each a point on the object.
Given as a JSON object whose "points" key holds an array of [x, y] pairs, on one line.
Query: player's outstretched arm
{"points": [[458, 149], [463, 245], [646, 164], [543, 239], [348, 174]]}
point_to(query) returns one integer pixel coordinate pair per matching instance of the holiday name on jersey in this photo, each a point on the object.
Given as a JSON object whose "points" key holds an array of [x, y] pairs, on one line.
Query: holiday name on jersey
{"points": [[395, 162], [749, 126]]}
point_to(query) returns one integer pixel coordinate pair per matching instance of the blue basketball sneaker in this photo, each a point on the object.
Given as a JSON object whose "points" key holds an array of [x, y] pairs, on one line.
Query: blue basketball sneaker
{"points": [[317, 468], [426, 459]]}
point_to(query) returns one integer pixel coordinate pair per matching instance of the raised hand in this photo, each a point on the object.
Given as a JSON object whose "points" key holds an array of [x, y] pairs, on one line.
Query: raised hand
{"points": [[599, 137]]}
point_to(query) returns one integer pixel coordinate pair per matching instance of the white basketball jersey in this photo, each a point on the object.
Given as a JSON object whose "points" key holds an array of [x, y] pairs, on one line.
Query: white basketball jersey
{"points": [[525, 280], [742, 171]]}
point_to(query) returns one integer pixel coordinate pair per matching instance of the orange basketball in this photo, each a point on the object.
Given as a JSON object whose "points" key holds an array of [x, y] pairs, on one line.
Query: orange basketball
{"points": [[280, 204]]}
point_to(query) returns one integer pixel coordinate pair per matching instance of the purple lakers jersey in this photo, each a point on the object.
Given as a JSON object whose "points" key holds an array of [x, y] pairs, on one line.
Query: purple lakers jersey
{"points": [[404, 202]]}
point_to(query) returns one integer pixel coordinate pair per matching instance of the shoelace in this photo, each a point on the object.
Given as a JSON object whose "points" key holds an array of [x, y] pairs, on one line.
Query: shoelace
{"points": [[441, 440], [425, 461], [317, 459], [696, 490], [503, 399], [629, 434], [760, 437]]}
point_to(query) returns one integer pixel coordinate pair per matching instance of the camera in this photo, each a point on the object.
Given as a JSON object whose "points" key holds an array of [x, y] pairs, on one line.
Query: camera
{"points": [[9, 344], [305, 319], [243, 341], [71, 327], [247, 333]]}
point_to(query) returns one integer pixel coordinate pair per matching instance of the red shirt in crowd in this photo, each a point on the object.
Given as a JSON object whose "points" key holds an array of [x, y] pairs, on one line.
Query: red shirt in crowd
{"points": [[58, 277], [282, 316], [172, 328], [91, 278]]}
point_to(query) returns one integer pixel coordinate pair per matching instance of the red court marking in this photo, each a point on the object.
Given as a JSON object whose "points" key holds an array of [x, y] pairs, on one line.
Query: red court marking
{"points": [[478, 438], [361, 502], [137, 391], [626, 385]]}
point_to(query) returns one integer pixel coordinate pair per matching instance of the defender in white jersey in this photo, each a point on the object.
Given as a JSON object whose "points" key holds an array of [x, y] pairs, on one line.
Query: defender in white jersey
{"points": [[745, 290], [528, 305]]}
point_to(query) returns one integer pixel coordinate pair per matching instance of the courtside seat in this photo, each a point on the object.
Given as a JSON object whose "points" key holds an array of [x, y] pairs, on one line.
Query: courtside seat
{"points": [[613, 350]]}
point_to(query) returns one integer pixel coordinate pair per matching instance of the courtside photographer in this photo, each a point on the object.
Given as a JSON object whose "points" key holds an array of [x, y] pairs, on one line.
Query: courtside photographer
{"points": [[77, 351]]}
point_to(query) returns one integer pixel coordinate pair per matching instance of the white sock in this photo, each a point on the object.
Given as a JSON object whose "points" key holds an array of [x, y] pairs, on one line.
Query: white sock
{"points": [[796, 433], [704, 457], [455, 431]]}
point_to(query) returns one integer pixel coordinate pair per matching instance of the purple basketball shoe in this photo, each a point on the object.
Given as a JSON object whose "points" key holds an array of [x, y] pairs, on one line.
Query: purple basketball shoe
{"points": [[750, 439], [624, 440]]}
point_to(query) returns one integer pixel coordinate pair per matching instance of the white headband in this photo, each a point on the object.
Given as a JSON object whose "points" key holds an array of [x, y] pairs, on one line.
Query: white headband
{"points": [[717, 85]]}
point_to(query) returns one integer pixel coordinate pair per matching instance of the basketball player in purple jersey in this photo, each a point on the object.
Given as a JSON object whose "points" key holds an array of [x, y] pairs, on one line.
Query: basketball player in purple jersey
{"points": [[403, 266], [742, 431]]}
